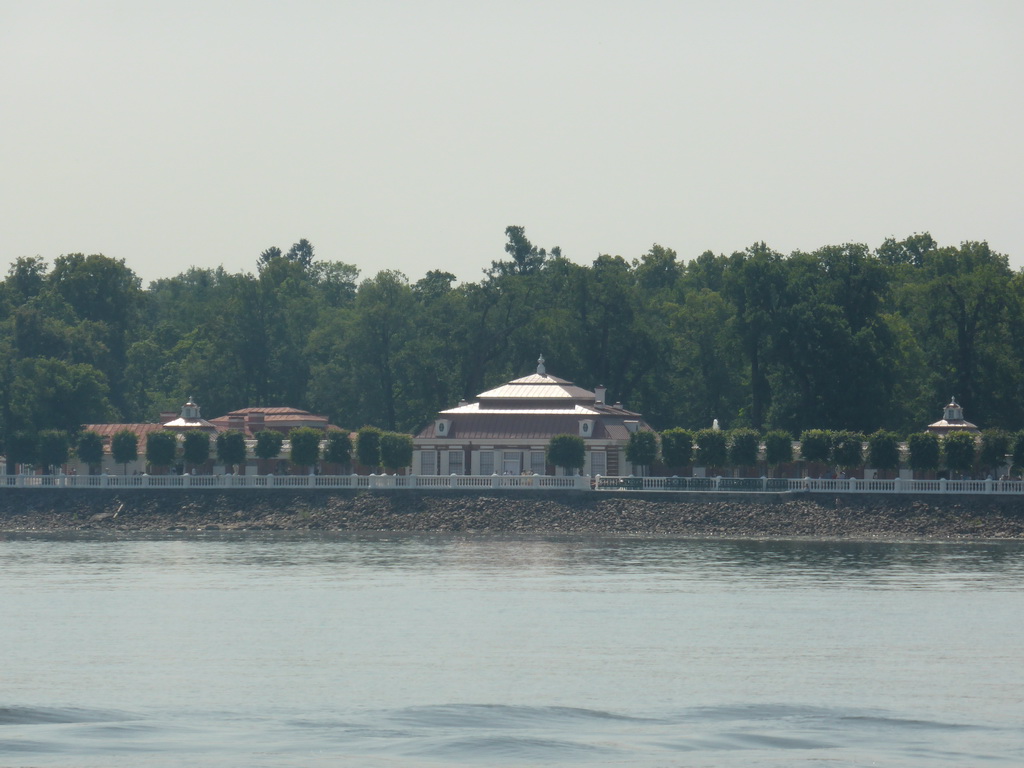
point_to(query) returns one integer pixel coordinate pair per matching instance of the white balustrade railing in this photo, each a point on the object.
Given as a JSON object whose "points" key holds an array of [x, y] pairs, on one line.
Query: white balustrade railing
{"points": [[518, 482], [328, 482]]}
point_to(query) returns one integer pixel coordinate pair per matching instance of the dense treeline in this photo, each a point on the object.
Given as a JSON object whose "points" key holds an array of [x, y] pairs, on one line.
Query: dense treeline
{"points": [[844, 338]]}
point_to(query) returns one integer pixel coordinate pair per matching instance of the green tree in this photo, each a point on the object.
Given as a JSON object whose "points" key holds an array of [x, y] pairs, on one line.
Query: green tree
{"points": [[23, 447], [105, 293], [816, 446], [305, 443], [924, 451], [677, 447], [231, 450], [567, 452], [958, 450], [54, 448], [161, 448], [25, 279], [960, 303], [754, 282], [884, 451], [995, 445], [848, 449], [268, 444], [368, 447], [339, 448], [48, 393], [642, 449], [526, 257], [395, 450], [1018, 451], [778, 448], [124, 447], [377, 334], [744, 445], [195, 448], [704, 359], [90, 450], [832, 345], [712, 448]]}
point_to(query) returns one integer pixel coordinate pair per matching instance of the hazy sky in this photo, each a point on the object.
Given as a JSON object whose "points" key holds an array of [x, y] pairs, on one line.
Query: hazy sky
{"points": [[408, 135]]}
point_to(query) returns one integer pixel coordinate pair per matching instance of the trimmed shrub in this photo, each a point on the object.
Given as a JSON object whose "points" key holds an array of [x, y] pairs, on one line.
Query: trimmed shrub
{"points": [[642, 448], [884, 451], [305, 442], [395, 450], [712, 450], [848, 449], [161, 448], [744, 445], [677, 447], [368, 446], [338, 449], [1018, 451], [90, 449], [816, 446], [567, 452], [195, 447], [995, 445], [959, 450], [778, 448], [268, 444], [924, 451], [54, 448], [124, 447], [231, 449]]}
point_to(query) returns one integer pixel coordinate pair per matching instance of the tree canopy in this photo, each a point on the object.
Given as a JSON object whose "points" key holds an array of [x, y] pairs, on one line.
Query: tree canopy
{"points": [[305, 442], [124, 447], [231, 449], [567, 452], [395, 450], [161, 448], [195, 447], [844, 337]]}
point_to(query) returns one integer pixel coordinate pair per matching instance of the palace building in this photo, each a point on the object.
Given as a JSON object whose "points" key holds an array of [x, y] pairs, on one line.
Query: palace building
{"points": [[507, 430]]}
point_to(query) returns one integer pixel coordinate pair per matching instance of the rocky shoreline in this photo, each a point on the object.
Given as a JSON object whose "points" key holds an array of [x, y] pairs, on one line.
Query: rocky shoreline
{"points": [[687, 515]]}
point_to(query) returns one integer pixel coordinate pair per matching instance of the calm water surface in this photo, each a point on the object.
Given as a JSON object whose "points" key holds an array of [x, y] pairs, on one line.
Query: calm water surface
{"points": [[401, 650]]}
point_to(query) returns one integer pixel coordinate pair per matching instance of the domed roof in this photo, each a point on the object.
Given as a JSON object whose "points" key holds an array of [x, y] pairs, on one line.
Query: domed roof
{"points": [[952, 420]]}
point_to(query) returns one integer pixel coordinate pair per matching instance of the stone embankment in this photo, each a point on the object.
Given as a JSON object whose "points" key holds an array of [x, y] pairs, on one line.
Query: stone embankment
{"points": [[691, 515]]}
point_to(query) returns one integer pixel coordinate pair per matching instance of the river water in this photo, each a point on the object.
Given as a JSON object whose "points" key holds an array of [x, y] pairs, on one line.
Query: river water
{"points": [[404, 650]]}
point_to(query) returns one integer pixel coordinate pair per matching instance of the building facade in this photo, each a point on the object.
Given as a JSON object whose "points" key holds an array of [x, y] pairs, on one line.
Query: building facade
{"points": [[248, 421], [507, 430]]}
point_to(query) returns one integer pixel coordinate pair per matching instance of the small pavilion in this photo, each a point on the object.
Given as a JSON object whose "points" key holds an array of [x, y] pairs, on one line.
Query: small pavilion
{"points": [[952, 421], [189, 419]]}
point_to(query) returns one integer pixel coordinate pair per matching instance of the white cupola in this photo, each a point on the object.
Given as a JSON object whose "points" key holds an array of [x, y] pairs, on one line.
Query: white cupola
{"points": [[953, 411], [190, 411]]}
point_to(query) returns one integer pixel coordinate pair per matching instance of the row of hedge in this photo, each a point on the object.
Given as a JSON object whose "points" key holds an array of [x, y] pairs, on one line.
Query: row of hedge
{"points": [[958, 451], [373, 448]]}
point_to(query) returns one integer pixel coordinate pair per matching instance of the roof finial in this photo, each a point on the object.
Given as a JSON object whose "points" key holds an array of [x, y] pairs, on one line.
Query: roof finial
{"points": [[540, 365]]}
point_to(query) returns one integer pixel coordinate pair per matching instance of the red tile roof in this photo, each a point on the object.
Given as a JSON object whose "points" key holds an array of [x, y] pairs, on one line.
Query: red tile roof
{"points": [[278, 418]]}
